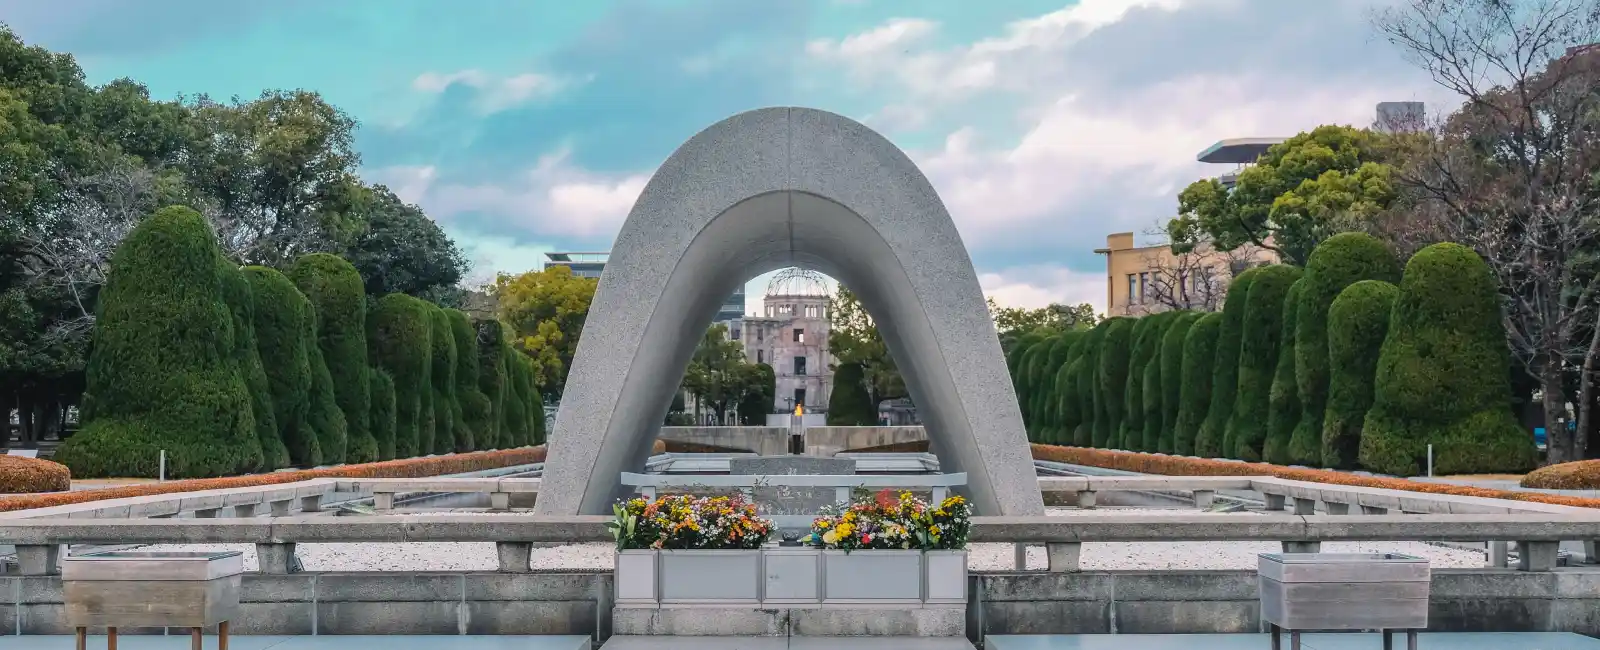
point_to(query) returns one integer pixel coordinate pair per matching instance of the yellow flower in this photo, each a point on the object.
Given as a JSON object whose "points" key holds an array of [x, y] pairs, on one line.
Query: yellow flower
{"points": [[933, 529], [845, 529], [830, 537]]}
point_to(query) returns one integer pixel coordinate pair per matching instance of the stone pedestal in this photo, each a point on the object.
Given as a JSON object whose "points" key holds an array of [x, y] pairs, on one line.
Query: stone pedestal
{"points": [[780, 500]]}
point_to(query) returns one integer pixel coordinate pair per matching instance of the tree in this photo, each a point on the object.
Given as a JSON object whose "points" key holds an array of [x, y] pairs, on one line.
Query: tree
{"points": [[1443, 374], [1358, 321], [1115, 353], [1145, 337], [1208, 440], [1194, 399], [492, 355], [1172, 371], [515, 427], [1301, 191], [1088, 385], [242, 302], [446, 411], [1258, 359], [546, 310], [399, 333], [1283, 403], [758, 401], [1152, 391], [718, 375], [334, 288], [1028, 379], [1511, 174], [1046, 401], [162, 374], [853, 338], [283, 318], [475, 406], [849, 405], [382, 420], [323, 414], [1012, 323], [402, 250]]}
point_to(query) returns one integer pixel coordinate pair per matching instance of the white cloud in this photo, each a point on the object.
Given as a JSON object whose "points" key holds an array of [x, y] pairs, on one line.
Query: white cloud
{"points": [[495, 93], [1037, 286]]}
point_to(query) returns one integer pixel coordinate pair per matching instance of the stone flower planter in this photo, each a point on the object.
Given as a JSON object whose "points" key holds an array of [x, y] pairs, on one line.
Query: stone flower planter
{"points": [[790, 577]]}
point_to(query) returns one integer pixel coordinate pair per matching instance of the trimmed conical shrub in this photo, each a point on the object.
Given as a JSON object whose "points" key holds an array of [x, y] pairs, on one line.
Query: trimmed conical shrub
{"points": [[1208, 441], [322, 411], [1151, 391], [162, 374], [381, 398], [283, 322], [336, 293], [1194, 399], [1358, 321], [1110, 404], [1087, 383], [475, 407], [516, 403], [1258, 359], [446, 412], [399, 333], [492, 354], [1046, 400], [242, 301], [1065, 403], [1172, 380], [1283, 405], [1130, 435], [1444, 374], [849, 403], [1027, 383], [1336, 263]]}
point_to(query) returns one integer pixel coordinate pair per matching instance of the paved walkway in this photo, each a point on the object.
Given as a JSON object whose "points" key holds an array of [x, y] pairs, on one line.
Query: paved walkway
{"points": [[157, 642], [1427, 641]]}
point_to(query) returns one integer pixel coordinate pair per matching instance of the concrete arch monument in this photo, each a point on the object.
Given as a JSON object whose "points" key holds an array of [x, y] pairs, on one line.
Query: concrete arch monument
{"points": [[758, 191]]}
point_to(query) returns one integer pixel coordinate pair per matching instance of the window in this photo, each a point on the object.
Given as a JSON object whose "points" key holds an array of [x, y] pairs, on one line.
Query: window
{"points": [[800, 396], [733, 334], [771, 311], [799, 366], [1183, 287], [799, 335], [1144, 287], [761, 334], [1133, 287], [811, 311], [761, 356]]}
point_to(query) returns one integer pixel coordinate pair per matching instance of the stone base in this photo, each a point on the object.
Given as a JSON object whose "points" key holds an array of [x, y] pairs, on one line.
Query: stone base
{"points": [[782, 500], [855, 621]]}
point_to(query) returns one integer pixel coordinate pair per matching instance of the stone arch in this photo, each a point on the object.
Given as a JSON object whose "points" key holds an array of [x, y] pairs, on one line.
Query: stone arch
{"points": [[758, 191]]}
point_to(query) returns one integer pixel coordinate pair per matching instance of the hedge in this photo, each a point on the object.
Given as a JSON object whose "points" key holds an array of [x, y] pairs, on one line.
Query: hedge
{"points": [[1112, 380], [1172, 368], [399, 336], [446, 412], [1152, 390], [242, 302], [849, 405], [1283, 403], [475, 407], [283, 322], [1130, 435], [382, 401], [1187, 466], [1577, 475], [338, 296], [161, 373], [1258, 359], [492, 377], [1208, 440], [403, 468], [1194, 396], [19, 475], [1444, 375], [1026, 382], [515, 425], [327, 421], [1336, 263], [1087, 385], [1065, 409], [1358, 320], [1049, 418]]}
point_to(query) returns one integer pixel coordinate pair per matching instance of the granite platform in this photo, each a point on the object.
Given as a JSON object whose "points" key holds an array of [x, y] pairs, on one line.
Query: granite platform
{"points": [[331, 642], [1328, 641]]}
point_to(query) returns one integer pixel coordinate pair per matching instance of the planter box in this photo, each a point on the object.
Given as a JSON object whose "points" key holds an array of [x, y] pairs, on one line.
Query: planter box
{"points": [[790, 577], [151, 589], [1344, 591]]}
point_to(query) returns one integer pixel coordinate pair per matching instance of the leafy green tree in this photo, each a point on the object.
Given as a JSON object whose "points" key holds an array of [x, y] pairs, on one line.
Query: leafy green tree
{"points": [[1358, 321], [1115, 358], [1283, 403], [1088, 385], [162, 374], [401, 250], [1300, 192], [334, 288], [492, 372], [1209, 438], [516, 402], [241, 301], [1444, 374], [446, 411], [322, 412], [853, 337], [1047, 400], [1258, 359], [849, 404], [1194, 399], [1165, 418], [1027, 380], [1013, 323], [399, 342], [382, 421], [759, 400], [546, 310], [1150, 390], [283, 318], [718, 375], [475, 406]]}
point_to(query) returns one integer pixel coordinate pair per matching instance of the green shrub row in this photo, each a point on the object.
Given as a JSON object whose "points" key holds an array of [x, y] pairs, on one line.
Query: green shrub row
{"points": [[1331, 366], [231, 371]]}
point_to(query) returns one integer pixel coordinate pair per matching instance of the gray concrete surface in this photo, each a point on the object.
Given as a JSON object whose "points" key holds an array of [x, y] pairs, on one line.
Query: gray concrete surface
{"points": [[1427, 641], [820, 441], [152, 642], [759, 191]]}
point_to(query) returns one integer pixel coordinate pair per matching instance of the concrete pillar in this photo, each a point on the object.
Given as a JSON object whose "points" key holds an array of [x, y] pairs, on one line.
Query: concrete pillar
{"points": [[280, 508], [499, 501], [39, 560], [244, 510], [1063, 556], [1305, 506], [206, 513], [276, 559], [1336, 508], [1204, 498], [1374, 510], [1302, 547], [382, 501], [1537, 556], [1085, 499], [311, 503], [1499, 555], [1019, 557], [514, 556], [1274, 501]]}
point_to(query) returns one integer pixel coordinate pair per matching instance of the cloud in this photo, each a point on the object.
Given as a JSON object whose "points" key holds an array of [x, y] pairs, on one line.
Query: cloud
{"points": [[1037, 286], [495, 94]]}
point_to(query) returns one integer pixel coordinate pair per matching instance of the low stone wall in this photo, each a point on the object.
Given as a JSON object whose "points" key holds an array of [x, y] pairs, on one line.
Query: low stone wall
{"points": [[571, 602], [820, 441]]}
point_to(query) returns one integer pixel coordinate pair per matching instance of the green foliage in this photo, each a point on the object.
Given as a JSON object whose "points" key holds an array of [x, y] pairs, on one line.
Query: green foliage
{"points": [[1283, 403], [1014, 324], [242, 302], [1258, 359], [854, 338], [533, 405], [283, 319], [1443, 374], [545, 311], [1358, 321], [1165, 419], [381, 398], [1028, 380], [492, 354], [475, 406], [334, 288], [163, 374], [1130, 435], [399, 333], [1148, 435], [322, 408], [759, 401], [1340, 261], [1208, 440], [446, 410], [516, 401], [403, 251], [848, 404], [1047, 400], [1115, 356], [1087, 385], [1194, 398], [718, 373]]}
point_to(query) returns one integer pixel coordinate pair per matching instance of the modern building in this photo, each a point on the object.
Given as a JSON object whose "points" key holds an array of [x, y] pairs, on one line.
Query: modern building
{"points": [[791, 335], [589, 265]]}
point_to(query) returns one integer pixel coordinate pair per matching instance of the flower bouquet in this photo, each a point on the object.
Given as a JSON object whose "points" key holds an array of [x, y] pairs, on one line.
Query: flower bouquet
{"points": [[682, 522], [890, 521]]}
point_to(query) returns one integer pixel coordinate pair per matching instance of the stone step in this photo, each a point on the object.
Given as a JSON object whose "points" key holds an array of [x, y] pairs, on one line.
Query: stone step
{"points": [[785, 643]]}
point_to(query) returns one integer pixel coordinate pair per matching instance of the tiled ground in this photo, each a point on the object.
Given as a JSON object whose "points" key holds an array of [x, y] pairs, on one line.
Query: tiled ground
{"points": [[1427, 641], [148, 642]]}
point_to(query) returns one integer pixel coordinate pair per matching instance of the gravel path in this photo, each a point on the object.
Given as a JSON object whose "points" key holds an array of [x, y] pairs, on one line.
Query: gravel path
{"points": [[480, 556]]}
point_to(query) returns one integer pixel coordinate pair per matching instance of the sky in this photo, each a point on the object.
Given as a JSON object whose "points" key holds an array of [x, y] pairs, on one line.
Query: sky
{"points": [[525, 126]]}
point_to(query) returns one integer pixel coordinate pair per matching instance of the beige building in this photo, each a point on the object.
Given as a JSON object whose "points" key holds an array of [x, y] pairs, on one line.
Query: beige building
{"points": [[1149, 279]]}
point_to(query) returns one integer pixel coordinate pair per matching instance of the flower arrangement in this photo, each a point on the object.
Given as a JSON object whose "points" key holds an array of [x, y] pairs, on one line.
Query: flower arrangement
{"points": [[893, 521], [682, 522]]}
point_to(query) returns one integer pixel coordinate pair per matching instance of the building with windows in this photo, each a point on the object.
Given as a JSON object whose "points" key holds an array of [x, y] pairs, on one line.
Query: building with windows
{"points": [[589, 265], [791, 335], [1148, 279]]}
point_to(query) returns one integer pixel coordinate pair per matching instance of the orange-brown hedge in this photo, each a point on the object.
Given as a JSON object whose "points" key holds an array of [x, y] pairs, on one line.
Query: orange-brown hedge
{"points": [[404, 468], [1183, 466], [27, 475], [1578, 475]]}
